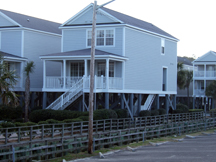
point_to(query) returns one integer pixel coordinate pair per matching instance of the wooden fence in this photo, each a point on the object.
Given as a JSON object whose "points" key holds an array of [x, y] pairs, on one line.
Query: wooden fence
{"points": [[48, 141]]}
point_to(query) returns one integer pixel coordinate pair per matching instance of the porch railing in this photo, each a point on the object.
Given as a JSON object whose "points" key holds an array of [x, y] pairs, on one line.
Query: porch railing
{"points": [[101, 82], [199, 92], [210, 73], [199, 73], [54, 82]]}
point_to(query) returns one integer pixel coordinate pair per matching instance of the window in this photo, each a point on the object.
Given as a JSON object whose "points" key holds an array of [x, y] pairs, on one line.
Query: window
{"points": [[163, 46], [77, 69], [102, 69], [103, 37]]}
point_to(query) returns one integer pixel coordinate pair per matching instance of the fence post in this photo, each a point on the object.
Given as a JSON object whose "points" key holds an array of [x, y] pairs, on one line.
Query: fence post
{"points": [[179, 131], [13, 149], [93, 144]]}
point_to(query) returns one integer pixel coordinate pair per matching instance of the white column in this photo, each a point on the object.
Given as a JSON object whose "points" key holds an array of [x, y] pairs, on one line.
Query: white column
{"points": [[107, 74], [64, 74], [85, 73], [44, 73], [21, 74], [204, 77], [123, 74]]}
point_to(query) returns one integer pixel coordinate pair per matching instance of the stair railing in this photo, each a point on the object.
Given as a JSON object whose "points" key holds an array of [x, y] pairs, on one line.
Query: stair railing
{"points": [[65, 97]]}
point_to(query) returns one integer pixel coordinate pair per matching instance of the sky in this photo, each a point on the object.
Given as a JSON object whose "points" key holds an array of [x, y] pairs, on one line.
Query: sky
{"points": [[191, 21]]}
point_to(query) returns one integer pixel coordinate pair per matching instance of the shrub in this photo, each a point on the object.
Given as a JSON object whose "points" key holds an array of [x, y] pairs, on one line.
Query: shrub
{"points": [[43, 115], [43, 122], [19, 124], [161, 111], [51, 121], [86, 113], [7, 124], [36, 108], [154, 112], [144, 113], [195, 110], [104, 114], [72, 120], [84, 118], [21, 120], [213, 110], [183, 108], [9, 113], [122, 113], [30, 123]]}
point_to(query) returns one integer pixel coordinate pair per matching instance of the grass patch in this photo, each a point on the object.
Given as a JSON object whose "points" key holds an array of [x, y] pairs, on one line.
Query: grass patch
{"points": [[85, 154]]}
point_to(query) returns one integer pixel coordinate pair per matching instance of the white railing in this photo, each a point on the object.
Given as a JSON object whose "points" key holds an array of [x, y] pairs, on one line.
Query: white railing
{"points": [[210, 73], [54, 82], [148, 102], [100, 82], [199, 73], [115, 83], [70, 81], [68, 97], [199, 92]]}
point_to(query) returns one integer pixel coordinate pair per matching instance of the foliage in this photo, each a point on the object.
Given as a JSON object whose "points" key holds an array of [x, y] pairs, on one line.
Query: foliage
{"points": [[8, 112], [180, 76], [154, 112], [29, 68], [84, 118], [104, 114], [181, 108], [195, 110], [161, 111], [122, 113], [43, 122], [36, 108], [8, 80], [211, 90], [19, 124], [213, 110], [43, 115], [7, 124], [51, 121], [72, 120], [144, 113]]}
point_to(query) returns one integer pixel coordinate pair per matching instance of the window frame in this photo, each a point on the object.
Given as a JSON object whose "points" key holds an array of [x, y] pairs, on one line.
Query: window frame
{"points": [[162, 46], [105, 37]]}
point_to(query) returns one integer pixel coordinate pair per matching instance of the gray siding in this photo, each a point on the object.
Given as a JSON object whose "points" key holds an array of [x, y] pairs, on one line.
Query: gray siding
{"points": [[76, 39], [5, 22], [86, 18], [36, 44], [11, 42], [144, 69]]}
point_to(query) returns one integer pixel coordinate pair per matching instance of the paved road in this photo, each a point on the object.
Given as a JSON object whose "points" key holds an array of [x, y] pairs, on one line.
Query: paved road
{"points": [[199, 149]]}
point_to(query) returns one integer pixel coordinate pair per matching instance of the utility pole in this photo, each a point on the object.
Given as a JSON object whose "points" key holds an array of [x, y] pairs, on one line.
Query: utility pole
{"points": [[91, 93]]}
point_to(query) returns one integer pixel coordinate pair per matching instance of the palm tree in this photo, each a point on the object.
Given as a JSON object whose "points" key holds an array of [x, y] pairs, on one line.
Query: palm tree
{"points": [[189, 79], [7, 82], [29, 68], [181, 78]]}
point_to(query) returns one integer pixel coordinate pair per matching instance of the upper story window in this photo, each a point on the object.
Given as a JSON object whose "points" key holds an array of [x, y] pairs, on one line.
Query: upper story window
{"points": [[103, 37], [162, 46]]}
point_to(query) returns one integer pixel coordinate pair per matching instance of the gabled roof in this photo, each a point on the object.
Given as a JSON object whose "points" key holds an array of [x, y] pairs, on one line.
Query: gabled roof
{"points": [[82, 53], [136, 22], [123, 19], [32, 22], [184, 61], [208, 57], [8, 55]]}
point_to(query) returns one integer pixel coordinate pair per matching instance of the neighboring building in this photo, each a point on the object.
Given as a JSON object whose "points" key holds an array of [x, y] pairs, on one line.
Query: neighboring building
{"points": [[24, 38], [134, 62], [204, 74], [182, 93]]}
